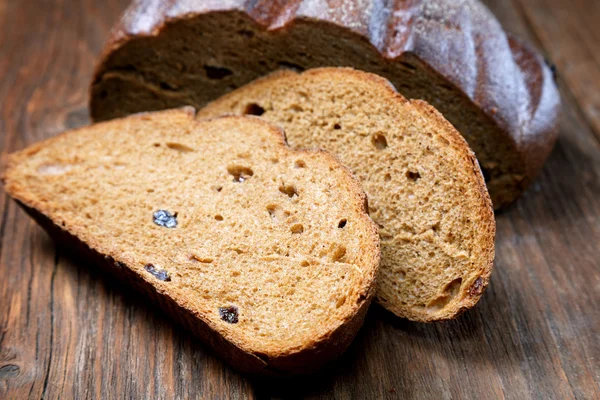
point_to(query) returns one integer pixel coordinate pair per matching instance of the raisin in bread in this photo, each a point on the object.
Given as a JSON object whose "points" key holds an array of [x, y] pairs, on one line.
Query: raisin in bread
{"points": [[425, 188], [264, 252], [495, 90]]}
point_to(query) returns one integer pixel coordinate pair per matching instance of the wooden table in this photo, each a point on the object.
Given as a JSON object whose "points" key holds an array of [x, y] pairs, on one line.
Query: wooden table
{"points": [[66, 332]]}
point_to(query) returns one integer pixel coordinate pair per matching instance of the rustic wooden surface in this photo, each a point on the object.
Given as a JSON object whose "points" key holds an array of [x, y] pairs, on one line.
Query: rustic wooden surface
{"points": [[66, 332]]}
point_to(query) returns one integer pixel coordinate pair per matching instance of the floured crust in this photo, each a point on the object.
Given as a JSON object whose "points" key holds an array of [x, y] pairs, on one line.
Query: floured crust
{"points": [[240, 352], [262, 91]]}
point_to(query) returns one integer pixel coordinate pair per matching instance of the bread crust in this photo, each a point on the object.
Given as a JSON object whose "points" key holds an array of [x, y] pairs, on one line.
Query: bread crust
{"points": [[461, 42], [310, 357]]}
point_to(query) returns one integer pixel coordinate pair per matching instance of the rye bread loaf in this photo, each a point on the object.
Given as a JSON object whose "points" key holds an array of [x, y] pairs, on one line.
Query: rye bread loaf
{"points": [[264, 252], [424, 185], [496, 91]]}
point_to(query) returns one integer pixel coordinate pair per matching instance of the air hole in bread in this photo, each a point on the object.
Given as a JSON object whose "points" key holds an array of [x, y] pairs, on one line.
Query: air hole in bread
{"points": [[297, 228], [156, 144], [240, 173], [277, 213], [449, 293], [254, 109], [338, 252], [408, 228], [401, 275], [387, 177], [246, 33], [204, 260], [304, 263], [292, 66], [412, 176], [219, 217], [340, 302], [379, 141], [179, 147], [299, 164], [129, 67], [453, 287], [443, 140], [216, 72], [168, 86], [408, 66], [342, 223], [337, 127], [271, 208], [289, 190], [438, 303]]}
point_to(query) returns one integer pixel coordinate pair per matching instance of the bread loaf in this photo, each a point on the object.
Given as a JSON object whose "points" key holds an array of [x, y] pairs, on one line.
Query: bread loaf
{"points": [[233, 233], [496, 91], [425, 188]]}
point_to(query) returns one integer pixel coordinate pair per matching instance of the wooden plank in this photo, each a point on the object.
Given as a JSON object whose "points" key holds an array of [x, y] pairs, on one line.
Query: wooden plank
{"points": [[565, 222], [66, 332], [569, 32]]}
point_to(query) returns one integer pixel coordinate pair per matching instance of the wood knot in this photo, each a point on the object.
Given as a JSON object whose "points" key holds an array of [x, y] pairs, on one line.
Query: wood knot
{"points": [[9, 371]]}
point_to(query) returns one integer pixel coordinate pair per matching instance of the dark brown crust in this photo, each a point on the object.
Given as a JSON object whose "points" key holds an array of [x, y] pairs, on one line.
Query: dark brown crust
{"points": [[459, 40], [310, 358], [544, 107]]}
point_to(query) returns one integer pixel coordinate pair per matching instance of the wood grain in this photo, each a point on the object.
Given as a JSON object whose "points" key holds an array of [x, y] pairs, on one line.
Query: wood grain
{"points": [[67, 332]]}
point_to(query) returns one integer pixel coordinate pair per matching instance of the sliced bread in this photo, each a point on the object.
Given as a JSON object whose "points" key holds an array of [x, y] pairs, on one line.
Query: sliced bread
{"points": [[497, 91], [425, 188], [266, 253]]}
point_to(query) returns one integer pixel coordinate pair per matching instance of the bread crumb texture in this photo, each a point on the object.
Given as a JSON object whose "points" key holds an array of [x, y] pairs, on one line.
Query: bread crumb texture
{"points": [[221, 216], [497, 92], [426, 191]]}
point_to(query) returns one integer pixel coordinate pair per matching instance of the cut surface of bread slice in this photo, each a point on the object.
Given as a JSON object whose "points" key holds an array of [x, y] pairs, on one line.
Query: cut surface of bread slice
{"points": [[265, 252], [498, 92], [425, 188]]}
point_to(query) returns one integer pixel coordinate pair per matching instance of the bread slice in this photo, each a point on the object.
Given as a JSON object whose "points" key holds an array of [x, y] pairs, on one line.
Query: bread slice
{"points": [[425, 188], [499, 93], [266, 253]]}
